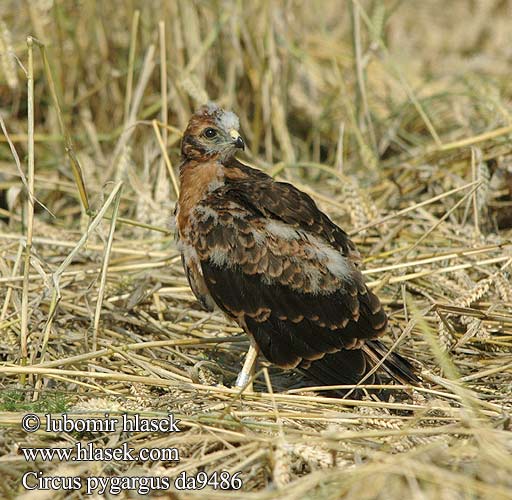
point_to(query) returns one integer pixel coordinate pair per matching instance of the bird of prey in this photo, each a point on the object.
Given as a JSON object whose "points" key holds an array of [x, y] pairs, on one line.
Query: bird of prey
{"points": [[271, 260]]}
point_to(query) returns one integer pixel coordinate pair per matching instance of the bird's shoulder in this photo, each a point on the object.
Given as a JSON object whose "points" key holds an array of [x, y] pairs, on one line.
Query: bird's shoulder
{"points": [[253, 194]]}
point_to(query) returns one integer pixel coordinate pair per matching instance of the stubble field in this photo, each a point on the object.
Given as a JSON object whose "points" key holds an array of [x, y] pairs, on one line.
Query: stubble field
{"points": [[395, 116]]}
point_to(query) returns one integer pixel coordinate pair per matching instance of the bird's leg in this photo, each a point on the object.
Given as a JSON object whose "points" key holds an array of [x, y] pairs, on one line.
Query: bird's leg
{"points": [[248, 369]]}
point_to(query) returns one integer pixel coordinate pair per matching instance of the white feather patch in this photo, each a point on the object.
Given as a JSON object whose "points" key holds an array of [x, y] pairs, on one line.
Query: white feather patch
{"points": [[189, 254], [219, 257], [335, 262], [227, 121], [282, 230], [212, 107], [204, 212], [315, 248]]}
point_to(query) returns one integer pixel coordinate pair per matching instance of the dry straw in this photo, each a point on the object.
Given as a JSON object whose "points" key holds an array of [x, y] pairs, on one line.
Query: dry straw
{"points": [[400, 135]]}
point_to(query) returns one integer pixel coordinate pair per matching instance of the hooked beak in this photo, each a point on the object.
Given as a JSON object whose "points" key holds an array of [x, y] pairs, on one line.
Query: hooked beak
{"points": [[237, 139]]}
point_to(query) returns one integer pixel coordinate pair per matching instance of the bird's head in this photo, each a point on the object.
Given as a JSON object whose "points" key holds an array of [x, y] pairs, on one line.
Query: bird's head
{"points": [[212, 133]]}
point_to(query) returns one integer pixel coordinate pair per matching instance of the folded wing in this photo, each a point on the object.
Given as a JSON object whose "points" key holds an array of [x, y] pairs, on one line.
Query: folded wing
{"points": [[288, 275]]}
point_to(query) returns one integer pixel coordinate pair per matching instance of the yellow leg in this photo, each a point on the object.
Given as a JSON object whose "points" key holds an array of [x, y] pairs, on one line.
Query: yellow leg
{"points": [[245, 376]]}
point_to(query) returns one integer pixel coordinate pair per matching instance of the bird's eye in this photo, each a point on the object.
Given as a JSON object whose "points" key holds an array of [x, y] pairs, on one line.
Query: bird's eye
{"points": [[210, 133]]}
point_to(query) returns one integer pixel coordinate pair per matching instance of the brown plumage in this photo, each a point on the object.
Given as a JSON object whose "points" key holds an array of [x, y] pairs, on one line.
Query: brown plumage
{"points": [[265, 254]]}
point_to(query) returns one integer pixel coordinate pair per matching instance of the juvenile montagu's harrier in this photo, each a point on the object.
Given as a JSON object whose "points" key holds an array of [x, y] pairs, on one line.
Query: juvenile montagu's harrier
{"points": [[264, 253]]}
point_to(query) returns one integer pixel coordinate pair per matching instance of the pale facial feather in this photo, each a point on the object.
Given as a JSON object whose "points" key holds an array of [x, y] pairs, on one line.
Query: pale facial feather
{"points": [[196, 145], [226, 120]]}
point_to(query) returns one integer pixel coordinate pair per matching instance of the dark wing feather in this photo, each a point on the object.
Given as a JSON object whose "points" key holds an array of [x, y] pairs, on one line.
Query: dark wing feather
{"points": [[345, 367], [348, 367], [284, 271], [284, 202]]}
